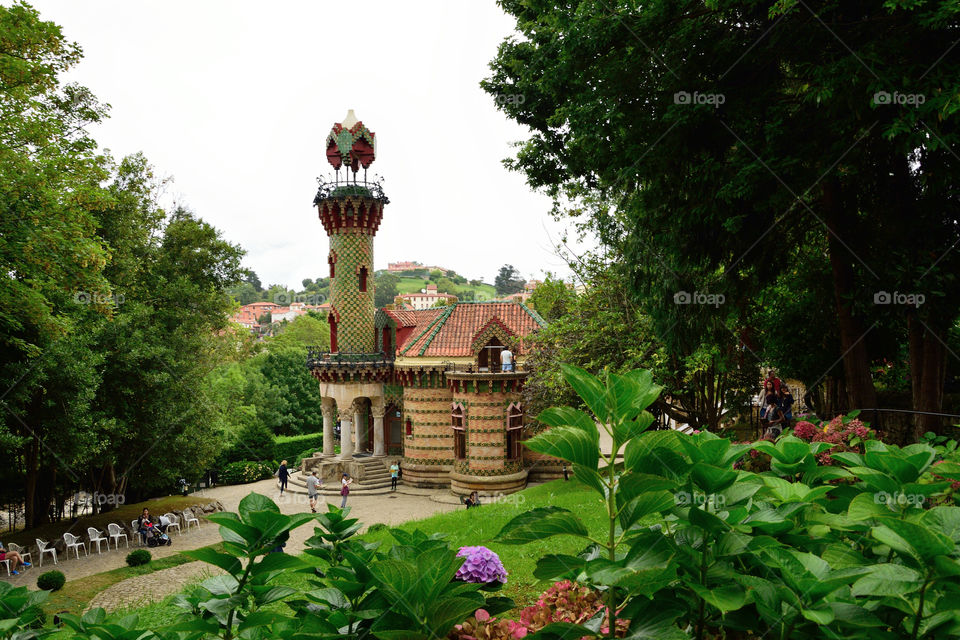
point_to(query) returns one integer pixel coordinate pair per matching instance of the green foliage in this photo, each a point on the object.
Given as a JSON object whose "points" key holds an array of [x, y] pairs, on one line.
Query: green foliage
{"points": [[292, 448], [552, 298], [857, 550], [21, 614], [508, 280], [246, 471], [385, 288], [51, 580], [138, 557]]}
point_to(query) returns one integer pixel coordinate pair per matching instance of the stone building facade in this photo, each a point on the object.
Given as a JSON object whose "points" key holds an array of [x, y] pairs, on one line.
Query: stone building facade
{"points": [[429, 387]]}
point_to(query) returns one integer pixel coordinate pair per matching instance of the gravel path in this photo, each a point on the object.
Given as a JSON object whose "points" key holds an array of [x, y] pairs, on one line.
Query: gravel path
{"points": [[391, 509]]}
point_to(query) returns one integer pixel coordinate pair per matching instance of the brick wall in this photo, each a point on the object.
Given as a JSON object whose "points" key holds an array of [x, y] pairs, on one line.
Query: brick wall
{"points": [[429, 411]]}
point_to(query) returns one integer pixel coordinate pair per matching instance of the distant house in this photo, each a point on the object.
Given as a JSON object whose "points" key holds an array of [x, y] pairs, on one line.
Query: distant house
{"points": [[400, 267], [248, 315], [426, 299]]}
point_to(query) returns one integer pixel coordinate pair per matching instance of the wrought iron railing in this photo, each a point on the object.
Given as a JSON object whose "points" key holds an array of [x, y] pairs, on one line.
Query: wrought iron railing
{"points": [[317, 356], [472, 367], [330, 189]]}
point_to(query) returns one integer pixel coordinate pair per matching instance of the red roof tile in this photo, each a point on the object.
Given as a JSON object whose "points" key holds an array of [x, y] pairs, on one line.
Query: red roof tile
{"points": [[454, 328]]}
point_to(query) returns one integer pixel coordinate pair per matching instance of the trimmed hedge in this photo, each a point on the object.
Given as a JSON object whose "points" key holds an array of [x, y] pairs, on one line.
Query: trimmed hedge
{"points": [[138, 557], [292, 448], [51, 581]]}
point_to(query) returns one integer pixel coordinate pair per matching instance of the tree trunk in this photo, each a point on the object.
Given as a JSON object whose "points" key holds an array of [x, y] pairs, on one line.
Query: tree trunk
{"points": [[928, 372], [31, 456], [856, 363]]}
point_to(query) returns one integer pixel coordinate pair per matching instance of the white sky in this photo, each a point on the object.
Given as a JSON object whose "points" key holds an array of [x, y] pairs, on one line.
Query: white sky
{"points": [[234, 100]]}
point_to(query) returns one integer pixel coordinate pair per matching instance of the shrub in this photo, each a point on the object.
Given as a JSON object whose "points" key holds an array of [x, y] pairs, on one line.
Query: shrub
{"points": [[138, 557], [293, 448], [51, 581], [379, 526], [246, 471]]}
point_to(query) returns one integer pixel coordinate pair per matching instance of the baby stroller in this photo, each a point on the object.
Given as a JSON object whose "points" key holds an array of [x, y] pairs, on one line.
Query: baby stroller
{"points": [[154, 536]]}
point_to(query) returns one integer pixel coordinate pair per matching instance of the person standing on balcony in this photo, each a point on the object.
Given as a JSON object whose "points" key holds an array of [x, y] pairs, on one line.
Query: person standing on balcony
{"points": [[506, 359]]}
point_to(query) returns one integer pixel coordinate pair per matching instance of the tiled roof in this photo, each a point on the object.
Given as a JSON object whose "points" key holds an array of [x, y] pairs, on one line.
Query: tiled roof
{"points": [[411, 318], [452, 330]]}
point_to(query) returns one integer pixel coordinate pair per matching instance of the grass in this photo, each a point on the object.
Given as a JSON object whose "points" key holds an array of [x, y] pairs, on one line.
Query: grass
{"points": [[463, 528], [414, 285], [121, 515]]}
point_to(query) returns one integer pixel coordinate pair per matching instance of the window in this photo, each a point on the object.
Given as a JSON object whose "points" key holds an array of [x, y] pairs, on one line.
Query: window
{"points": [[386, 340], [332, 262], [459, 434], [514, 429], [409, 427], [333, 333], [363, 279], [489, 357]]}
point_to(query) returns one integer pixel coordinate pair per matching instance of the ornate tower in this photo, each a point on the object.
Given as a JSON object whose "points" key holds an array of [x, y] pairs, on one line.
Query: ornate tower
{"points": [[351, 211], [351, 374]]}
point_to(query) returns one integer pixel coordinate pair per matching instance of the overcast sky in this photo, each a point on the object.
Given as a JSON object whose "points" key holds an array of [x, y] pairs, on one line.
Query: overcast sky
{"points": [[233, 100]]}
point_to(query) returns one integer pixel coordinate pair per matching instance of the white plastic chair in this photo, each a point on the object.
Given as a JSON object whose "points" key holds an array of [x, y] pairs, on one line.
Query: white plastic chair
{"points": [[116, 532], [174, 522], [23, 552], [44, 547], [73, 542], [96, 536], [135, 527], [189, 517]]}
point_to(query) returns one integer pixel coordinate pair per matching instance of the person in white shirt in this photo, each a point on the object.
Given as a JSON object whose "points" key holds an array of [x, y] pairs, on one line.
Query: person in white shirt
{"points": [[506, 360], [312, 483]]}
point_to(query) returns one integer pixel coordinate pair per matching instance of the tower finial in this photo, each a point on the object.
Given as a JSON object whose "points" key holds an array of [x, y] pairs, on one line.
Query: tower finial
{"points": [[351, 143]]}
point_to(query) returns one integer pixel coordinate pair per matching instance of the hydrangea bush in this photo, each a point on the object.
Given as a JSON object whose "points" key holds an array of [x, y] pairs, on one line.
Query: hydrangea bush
{"points": [[481, 565]]}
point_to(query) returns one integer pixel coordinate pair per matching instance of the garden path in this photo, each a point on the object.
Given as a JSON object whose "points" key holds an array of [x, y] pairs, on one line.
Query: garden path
{"points": [[392, 509]]}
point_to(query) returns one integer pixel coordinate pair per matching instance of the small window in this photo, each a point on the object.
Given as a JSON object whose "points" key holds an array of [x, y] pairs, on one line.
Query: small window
{"points": [[333, 333], [363, 279], [489, 357], [459, 434], [409, 427], [514, 429], [332, 264]]}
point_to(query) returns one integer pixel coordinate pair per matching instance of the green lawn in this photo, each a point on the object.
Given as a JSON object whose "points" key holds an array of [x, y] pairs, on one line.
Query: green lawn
{"points": [[411, 285], [468, 528]]}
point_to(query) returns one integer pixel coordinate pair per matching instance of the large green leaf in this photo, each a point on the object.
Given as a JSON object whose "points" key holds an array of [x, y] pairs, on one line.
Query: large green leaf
{"points": [[567, 443], [247, 535], [540, 523], [589, 388], [228, 563], [725, 598], [553, 566], [925, 542], [644, 505], [569, 417], [888, 580], [256, 502], [712, 479]]}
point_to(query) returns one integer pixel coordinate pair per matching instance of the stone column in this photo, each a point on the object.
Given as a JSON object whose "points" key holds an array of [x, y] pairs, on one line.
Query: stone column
{"points": [[360, 425], [346, 429], [377, 409], [329, 420]]}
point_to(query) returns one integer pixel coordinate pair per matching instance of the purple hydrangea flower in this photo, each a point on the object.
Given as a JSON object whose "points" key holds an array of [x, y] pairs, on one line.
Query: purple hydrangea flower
{"points": [[481, 565]]}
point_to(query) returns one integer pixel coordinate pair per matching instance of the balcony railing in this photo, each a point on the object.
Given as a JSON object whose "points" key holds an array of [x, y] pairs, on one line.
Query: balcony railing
{"points": [[472, 367], [316, 356], [330, 189]]}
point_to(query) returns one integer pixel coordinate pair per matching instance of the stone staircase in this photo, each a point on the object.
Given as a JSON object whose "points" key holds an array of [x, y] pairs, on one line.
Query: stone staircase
{"points": [[376, 480]]}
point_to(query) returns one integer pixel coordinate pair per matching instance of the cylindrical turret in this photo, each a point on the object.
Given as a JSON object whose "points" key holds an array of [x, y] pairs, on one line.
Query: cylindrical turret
{"points": [[351, 211]]}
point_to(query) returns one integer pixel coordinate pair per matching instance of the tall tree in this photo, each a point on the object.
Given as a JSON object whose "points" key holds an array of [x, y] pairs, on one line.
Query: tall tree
{"points": [[508, 280]]}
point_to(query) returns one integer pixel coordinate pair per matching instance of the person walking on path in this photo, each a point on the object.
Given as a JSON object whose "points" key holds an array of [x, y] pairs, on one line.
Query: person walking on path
{"points": [[282, 475], [313, 482], [506, 359], [345, 482], [394, 471]]}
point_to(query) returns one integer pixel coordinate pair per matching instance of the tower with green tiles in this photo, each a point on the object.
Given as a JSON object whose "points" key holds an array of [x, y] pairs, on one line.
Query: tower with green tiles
{"points": [[351, 210]]}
